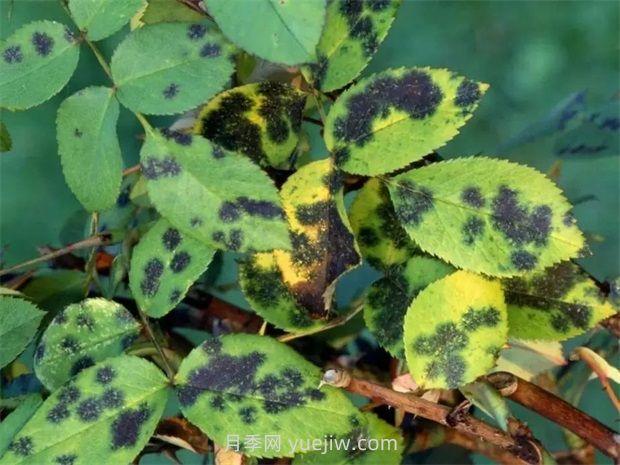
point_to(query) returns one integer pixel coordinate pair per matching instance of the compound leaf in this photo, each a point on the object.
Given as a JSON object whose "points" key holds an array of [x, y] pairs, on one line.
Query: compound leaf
{"points": [[164, 265], [105, 415], [221, 199], [555, 304], [102, 18], [389, 298], [170, 67], [254, 383], [262, 283], [382, 240], [397, 116], [37, 61], [353, 31], [260, 120], [88, 146], [19, 320], [486, 215], [324, 247], [294, 27], [454, 330], [80, 336], [361, 448]]}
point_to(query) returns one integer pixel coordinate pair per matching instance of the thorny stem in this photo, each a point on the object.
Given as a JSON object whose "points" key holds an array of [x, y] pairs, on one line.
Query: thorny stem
{"points": [[332, 324], [523, 450], [94, 241], [557, 410], [147, 326]]}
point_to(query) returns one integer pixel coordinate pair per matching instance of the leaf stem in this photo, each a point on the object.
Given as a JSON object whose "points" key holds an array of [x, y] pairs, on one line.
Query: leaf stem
{"points": [[332, 324], [94, 241], [557, 410], [160, 351]]}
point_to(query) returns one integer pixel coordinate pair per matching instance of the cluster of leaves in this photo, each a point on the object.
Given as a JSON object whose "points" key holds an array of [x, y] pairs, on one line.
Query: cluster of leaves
{"points": [[475, 252]]}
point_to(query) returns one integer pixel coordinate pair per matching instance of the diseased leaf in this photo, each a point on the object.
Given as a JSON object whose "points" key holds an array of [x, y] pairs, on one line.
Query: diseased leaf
{"points": [[397, 116], [555, 304], [324, 247], [170, 67], [389, 298], [220, 198], [294, 27], [37, 61], [381, 238], [597, 134], [19, 320], [486, 215], [352, 33], [105, 415], [260, 120], [262, 283], [486, 398], [454, 330], [255, 383], [378, 442], [5, 138], [88, 146], [80, 336], [164, 264], [528, 359], [102, 18], [13, 422]]}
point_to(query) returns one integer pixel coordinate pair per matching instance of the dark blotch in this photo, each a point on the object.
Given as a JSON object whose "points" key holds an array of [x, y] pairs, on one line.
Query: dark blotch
{"points": [[170, 91], [126, 428], [58, 413], [262, 208], [413, 202], [66, 459], [210, 50], [43, 43], [113, 398], [70, 344], [22, 446], [13, 54], [175, 295], [180, 261], [467, 94], [248, 415], [171, 239], [218, 403], [229, 212], [523, 260], [477, 318], [312, 213], [105, 375], [196, 31], [472, 229], [473, 197], [179, 137], [89, 409], [85, 321], [153, 270], [154, 168], [69, 394]]}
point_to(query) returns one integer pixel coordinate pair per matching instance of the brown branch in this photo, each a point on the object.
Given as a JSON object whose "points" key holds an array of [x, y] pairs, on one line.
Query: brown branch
{"points": [[522, 450], [94, 241], [132, 169], [557, 410]]}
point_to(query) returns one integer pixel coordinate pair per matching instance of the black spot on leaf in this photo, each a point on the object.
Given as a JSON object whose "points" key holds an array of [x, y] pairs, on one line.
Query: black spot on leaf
{"points": [[39, 352], [473, 197], [153, 270], [105, 375], [77, 133], [523, 260], [13, 54], [89, 409], [195, 222], [58, 413], [66, 459], [179, 137], [229, 212], [262, 208], [312, 213], [467, 94], [477, 318], [69, 394], [113, 398], [85, 321], [126, 428], [43, 43], [211, 346], [180, 261], [22, 446], [472, 229], [175, 295], [210, 50], [171, 239], [413, 202], [248, 415], [196, 31], [60, 318], [128, 340], [368, 237], [218, 403], [70, 344], [154, 168], [218, 152]]}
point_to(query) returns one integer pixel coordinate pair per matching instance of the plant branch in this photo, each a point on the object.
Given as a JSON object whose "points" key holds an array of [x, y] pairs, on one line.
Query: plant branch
{"points": [[151, 335], [131, 170], [557, 410], [522, 450], [331, 324], [94, 241]]}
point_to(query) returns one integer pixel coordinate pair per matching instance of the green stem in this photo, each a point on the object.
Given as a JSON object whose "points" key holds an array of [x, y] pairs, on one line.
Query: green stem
{"points": [[151, 334]]}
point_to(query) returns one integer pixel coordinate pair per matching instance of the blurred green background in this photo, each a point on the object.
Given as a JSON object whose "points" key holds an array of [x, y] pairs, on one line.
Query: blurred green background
{"points": [[534, 54]]}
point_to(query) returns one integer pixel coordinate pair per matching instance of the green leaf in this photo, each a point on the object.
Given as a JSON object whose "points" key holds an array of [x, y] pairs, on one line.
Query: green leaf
{"points": [[55, 290], [454, 330], [88, 146], [19, 320], [262, 283], [11, 424], [486, 215], [397, 116], [389, 298], [555, 304], [5, 138], [294, 27], [260, 120], [382, 240], [221, 199], [528, 359], [102, 18], [165, 11], [353, 31], [80, 336], [254, 383], [37, 61], [170, 67], [378, 442], [164, 265], [486, 398], [105, 415], [324, 247]]}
